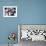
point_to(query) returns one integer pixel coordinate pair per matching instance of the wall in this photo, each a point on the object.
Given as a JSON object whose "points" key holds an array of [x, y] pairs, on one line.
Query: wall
{"points": [[29, 12]]}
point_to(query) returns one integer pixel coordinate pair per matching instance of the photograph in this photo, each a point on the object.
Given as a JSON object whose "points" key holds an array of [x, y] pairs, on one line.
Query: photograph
{"points": [[9, 11], [29, 33]]}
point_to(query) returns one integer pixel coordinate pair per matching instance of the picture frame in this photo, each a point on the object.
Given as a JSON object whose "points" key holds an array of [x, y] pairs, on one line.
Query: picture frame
{"points": [[39, 28], [9, 11]]}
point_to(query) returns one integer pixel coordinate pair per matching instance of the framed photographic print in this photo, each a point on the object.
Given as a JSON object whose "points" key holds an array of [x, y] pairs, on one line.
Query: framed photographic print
{"points": [[31, 32], [9, 11]]}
